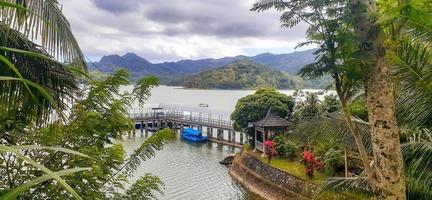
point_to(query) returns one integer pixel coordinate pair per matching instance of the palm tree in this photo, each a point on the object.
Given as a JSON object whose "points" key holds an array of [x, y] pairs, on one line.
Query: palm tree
{"points": [[40, 60], [34, 78], [408, 19], [48, 64], [330, 28], [412, 76]]}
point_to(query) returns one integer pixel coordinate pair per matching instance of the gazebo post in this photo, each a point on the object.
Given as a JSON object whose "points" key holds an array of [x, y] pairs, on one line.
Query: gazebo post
{"points": [[255, 140], [264, 139]]}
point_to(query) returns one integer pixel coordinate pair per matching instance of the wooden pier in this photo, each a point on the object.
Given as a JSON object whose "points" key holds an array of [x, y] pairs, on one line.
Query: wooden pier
{"points": [[217, 128]]}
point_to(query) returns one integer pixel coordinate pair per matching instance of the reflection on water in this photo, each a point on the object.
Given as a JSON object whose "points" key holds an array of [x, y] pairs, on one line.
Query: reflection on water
{"points": [[190, 171]]}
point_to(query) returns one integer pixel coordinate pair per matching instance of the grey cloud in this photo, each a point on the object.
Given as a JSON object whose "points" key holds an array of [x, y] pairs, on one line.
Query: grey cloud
{"points": [[117, 6], [167, 22], [220, 18]]}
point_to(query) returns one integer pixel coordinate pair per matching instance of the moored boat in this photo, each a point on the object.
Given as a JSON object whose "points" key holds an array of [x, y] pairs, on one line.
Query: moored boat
{"points": [[193, 135]]}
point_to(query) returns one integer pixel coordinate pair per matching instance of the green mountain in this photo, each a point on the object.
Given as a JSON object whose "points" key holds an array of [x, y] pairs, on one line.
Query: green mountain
{"points": [[169, 71], [242, 74]]}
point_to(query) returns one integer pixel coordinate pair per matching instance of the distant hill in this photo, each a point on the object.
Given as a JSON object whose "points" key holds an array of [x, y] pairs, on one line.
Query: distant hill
{"points": [[242, 74], [169, 71]]}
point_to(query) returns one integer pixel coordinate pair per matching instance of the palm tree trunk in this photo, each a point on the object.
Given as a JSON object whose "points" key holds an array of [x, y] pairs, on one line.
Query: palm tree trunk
{"points": [[355, 132], [388, 179]]}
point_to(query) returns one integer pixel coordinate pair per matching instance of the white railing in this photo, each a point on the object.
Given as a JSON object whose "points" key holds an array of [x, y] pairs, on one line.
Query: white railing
{"points": [[183, 115], [259, 145]]}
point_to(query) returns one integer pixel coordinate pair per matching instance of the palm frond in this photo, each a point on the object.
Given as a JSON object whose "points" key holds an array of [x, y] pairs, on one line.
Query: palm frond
{"points": [[334, 126], [417, 159], [42, 20], [12, 195], [37, 66], [418, 20], [418, 174], [342, 187], [418, 189], [56, 149], [414, 74], [51, 174]]}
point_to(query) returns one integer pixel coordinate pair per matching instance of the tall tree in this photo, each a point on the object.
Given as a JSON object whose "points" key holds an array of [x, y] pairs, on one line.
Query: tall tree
{"points": [[386, 175], [329, 28], [255, 106]]}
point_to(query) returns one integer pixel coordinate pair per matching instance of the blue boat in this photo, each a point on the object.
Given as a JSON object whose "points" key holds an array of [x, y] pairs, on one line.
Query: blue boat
{"points": [[193, 135]]}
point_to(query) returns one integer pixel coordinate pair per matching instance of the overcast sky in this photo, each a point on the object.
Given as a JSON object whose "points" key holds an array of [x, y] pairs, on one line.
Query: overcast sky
{"points": [[170, 30]]}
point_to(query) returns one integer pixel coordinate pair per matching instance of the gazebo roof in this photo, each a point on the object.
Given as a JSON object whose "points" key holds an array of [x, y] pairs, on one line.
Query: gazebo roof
{"points": [[272, 120]]}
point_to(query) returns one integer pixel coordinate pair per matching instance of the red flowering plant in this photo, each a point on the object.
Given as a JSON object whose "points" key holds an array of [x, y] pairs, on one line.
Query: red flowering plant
{"points": [[309, 161], [270, 149]]}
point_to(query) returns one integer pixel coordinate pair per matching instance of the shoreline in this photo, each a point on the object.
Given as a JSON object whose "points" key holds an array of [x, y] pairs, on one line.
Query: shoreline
{"points": [[268, 182]]}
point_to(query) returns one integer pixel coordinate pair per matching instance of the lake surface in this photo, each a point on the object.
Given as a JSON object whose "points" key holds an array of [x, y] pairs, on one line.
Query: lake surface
{"points": [[192, 171], [219, 101]]}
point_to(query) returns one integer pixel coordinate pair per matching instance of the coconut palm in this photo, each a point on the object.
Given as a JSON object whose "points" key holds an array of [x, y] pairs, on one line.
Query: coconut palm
{"points": [[34, 78], [48, 64]]}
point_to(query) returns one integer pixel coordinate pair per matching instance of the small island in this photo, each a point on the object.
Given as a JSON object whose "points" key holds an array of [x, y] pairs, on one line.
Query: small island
{"points": [[242, 74]]}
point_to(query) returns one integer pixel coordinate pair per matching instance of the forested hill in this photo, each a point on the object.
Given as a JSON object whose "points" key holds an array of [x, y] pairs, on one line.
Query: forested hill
{"points": [[242, 74], [168, 71]]}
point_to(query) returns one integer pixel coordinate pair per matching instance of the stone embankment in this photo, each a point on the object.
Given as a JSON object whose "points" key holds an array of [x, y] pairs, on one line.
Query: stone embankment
{"points": [[268, 182]]}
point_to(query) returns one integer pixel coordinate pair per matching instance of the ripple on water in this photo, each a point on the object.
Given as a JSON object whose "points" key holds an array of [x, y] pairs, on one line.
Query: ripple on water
{"points": [[190, 171]]}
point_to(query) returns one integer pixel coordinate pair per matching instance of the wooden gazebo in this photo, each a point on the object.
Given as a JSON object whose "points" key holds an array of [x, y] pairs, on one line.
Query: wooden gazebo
{"points": [[268, 126]]}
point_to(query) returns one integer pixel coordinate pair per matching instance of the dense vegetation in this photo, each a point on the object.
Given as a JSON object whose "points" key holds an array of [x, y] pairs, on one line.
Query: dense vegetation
{"points": [[255, 106], [58, 139], [243, 75], [175, 73], [378, 54], [172, 71]]}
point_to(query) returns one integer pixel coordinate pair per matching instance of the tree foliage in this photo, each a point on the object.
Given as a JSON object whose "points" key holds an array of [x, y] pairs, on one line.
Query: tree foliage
{"points": [[255, 107], [38, 79], [243, 75], [143, 188], [407, 31], [96, 120]]}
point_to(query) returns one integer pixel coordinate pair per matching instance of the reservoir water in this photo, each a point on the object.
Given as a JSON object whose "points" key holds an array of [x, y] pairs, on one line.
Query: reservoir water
{"points": [[192, 171]]}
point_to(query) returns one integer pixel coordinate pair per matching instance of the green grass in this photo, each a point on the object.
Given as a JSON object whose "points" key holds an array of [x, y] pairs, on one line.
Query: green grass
{"points": [[295, 168]]}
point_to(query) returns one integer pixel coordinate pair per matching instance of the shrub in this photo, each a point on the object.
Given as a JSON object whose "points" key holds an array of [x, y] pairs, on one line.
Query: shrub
{"points": [[333, 161], [290, 149], [286, 147]]}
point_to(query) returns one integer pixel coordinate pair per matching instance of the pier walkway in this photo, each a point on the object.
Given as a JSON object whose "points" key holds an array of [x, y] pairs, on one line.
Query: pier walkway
{"points": [[217, 127]]}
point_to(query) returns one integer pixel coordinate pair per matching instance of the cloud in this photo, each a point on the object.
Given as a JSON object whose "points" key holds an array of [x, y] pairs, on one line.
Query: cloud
{"points": [[167, 30], [116, 6]]}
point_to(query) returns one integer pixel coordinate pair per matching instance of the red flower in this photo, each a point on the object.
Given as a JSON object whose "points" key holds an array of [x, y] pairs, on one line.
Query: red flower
{"points": [[269, 145], [308, 156]]}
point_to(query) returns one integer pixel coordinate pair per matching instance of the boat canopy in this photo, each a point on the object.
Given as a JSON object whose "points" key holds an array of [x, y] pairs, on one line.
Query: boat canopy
{"points": [[192, 131]]}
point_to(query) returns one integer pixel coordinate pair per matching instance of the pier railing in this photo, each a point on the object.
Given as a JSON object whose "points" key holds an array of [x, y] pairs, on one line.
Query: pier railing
{"points": [[259, 145], [181, 115], [216, 126]]}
